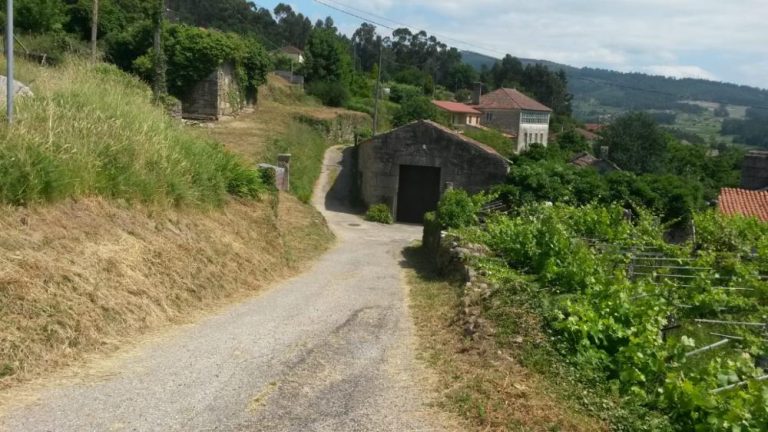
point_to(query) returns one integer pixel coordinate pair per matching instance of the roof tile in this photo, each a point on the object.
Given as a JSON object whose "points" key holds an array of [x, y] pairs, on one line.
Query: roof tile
{"points": [[506, 98], [456, 107], [744, 202]]}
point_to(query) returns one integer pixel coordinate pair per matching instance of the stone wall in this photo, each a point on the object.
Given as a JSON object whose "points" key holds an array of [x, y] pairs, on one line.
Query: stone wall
{"points": [[754, 174], [216, 96], [464, 163]]}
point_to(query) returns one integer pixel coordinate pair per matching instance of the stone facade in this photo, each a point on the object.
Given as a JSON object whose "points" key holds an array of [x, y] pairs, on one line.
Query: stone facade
{"points": [[754, 174], [464, 163], [216, 96]]}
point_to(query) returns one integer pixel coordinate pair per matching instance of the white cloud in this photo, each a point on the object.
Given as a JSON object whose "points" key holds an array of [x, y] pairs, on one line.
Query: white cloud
{"points": [[679, 71]]}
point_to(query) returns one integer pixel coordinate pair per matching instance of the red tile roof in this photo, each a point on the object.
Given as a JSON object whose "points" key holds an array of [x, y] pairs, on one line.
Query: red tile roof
{"points": [[505, 98], [456, 107], [744, 202], [594, 127]]}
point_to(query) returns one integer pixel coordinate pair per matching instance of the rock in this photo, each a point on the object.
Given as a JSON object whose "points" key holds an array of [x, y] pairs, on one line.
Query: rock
{"points": [[21, 90]]}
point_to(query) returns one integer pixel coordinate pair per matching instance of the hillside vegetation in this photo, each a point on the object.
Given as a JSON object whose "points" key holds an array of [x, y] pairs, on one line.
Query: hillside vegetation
{"points": [[117, 220], [90, 130]]}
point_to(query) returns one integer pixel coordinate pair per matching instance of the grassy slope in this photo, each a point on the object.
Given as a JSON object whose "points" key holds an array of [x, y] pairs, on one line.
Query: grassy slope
{"points": [[90, 130], [484, 382], [272, 128], [81, 273]]}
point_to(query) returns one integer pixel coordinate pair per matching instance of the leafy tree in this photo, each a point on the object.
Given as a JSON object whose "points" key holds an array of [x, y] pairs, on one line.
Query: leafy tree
{"points": [[327, 58], [330, 93], [418, 108], [38, 16], [635, 143], [572, 142], [366, 44], [293, 28]]}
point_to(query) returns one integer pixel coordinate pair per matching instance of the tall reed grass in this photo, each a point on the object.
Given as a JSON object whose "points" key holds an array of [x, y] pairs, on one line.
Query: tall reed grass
{"points": [[90, 130]]}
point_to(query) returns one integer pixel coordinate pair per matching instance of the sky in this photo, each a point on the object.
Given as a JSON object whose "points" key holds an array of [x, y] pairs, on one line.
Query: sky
{"points": [[723, 40]]}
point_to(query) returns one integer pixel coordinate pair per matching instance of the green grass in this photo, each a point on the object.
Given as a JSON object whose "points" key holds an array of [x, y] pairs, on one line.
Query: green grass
{"points": [[495, 139], [307, 146], [90, 130]]}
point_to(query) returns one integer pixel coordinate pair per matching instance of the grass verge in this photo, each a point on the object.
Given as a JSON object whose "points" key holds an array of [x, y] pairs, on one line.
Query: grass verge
{"points": [[485, 382], [87, 276], [90, 130]]}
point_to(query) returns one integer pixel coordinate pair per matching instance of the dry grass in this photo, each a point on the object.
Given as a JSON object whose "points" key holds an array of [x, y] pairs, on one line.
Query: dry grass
{"points": [[81, 277], [252, 133], [479, 380]]}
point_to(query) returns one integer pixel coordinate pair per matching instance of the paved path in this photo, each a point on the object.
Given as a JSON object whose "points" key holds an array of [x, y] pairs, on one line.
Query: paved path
{"points": [[331, 350]]}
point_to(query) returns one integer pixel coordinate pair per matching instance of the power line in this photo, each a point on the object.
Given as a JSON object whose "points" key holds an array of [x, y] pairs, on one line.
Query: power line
{"points": [[412, 27]]}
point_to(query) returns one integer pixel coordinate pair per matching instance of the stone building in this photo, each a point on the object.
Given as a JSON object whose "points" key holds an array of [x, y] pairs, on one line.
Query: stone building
{"points": [[754, 173], [512, 112], [216, 96], [410, 167]]}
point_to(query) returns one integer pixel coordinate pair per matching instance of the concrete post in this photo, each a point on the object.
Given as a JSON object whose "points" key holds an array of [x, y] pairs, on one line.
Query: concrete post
{"points": [[284, 161], [11, 84]]}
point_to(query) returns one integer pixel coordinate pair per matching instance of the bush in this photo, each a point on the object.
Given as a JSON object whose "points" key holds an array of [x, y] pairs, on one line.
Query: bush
{"points": [[330, 93], [379, 213], [38, 16], [495, 139], [456, 209], [420, 108]]}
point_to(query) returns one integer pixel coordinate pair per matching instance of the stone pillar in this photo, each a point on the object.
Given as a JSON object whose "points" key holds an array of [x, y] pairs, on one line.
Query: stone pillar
{"points": [[284, 162], [754, 172]]}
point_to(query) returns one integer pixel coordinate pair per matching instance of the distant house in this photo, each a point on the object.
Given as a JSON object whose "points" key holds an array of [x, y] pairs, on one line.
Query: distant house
{"points": [[594, 127], [292, 53], [744, 202], [586, 160], [459, 113], [514, 113]]}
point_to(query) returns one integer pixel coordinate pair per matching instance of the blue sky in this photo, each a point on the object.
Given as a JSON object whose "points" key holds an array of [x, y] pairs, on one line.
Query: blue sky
{"points": [[712, 39]]}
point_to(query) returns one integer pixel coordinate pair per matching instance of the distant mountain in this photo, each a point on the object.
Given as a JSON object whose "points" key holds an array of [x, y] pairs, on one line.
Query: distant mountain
{"points": [[636, 91]]}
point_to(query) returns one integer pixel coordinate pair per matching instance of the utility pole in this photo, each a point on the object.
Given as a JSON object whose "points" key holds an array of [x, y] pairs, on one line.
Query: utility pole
{"points": [[95, 30], [378, 91], [159, 84], [11, 87]]}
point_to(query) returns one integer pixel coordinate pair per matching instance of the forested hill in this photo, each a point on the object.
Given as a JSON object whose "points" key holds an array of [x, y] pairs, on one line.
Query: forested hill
{"points": [[639, 91]]}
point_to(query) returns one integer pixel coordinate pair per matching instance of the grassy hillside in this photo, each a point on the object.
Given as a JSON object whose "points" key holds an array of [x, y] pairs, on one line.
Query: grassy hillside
{"points": [[90, 130], [118, 220]]}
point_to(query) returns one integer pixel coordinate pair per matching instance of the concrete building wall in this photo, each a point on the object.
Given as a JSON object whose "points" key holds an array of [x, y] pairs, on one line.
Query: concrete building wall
{"points": [[216, 96], [754, 174], [532, 134], [507, 121], [463, 164]]}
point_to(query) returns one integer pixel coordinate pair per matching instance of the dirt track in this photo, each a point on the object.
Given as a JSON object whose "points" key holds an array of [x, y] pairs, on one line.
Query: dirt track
{"points": [[331, 350]]}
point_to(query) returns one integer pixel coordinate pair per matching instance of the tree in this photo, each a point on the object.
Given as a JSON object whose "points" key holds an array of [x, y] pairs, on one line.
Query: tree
{"points": [[635, 143], [39, 16], [327, 58], [418, 108]]}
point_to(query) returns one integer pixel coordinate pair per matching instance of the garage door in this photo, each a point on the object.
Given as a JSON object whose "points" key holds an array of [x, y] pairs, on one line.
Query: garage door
{"points": [[418, 192]]}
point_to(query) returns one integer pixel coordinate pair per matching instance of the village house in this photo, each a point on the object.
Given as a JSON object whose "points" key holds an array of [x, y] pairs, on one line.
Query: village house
{"points": [[754, 172], [752, 199], [459, 114], [514, 113], [292, 53], [216, 96], [410, 167]]}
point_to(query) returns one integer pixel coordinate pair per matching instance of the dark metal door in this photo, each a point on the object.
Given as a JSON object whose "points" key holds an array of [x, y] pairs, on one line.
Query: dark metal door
{"points": [[418, 192]]}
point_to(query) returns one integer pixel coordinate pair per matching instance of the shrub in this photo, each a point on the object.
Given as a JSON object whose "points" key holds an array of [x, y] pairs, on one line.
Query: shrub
{"points": [[330, 93], [419, 108], [456, 209], [380, 213]]}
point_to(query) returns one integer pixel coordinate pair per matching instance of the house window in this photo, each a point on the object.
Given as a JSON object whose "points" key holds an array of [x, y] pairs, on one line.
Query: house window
{"points": [[532, 117], [489, 116]]}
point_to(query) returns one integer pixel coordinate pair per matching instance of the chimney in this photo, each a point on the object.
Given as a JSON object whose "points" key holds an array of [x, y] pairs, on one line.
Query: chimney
{"points": [[478, 91], [754, 172]]}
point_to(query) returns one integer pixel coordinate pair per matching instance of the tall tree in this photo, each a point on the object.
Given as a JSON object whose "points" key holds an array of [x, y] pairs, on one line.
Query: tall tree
{"points": [[328, 58], [636, 143], [159, 82]]}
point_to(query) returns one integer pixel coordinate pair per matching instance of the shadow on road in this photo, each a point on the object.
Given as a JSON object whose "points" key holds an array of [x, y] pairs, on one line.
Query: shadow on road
{"points": [[342, 195]]}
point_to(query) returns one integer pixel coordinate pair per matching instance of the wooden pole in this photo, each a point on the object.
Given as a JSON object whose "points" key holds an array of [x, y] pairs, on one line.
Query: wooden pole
{"points": [[159, 84], [11, 87], [378, 91], [95, 30]]}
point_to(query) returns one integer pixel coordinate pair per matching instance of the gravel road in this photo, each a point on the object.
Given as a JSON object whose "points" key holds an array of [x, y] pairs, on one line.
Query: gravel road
{"points": [[331, 350]]}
